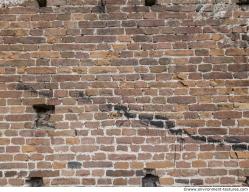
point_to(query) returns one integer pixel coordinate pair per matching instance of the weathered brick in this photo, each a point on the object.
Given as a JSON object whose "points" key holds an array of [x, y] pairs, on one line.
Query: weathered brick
{"points": [[65, 181], [212, 172], [203, 107], [181, 99], [13, 165], [74, 165], [41, 70], [44, 173], [212, 131], [10, 94], [159, 164], [119, 173], [227, 114]]}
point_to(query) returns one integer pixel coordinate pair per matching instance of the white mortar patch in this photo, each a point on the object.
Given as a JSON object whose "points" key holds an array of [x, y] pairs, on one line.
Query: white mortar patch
{"points": [[7, 3]]}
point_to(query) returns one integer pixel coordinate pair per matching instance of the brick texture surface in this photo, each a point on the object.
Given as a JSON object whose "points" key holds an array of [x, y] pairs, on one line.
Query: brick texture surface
{"points": [[134, 88]]}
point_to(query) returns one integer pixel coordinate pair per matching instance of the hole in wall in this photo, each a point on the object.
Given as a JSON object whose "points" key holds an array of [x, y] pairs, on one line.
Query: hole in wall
{"points": [[150, 179], [101, 8], [43, 114], [42, 3], [35, 182], [243, 2], [150, 2], [247, 181]]}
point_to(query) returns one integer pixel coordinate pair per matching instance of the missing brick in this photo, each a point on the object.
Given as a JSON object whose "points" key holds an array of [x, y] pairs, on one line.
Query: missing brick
{"points": [[150, 179], [150, 2], [43, 114], [243, 2], [42, 3], [101, 8], [35, 182], [247, 181]]}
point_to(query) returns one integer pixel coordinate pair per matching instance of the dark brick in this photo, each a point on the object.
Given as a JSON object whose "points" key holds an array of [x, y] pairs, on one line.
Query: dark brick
{"points": [[239, 147], [158, 124], [74, 165]]}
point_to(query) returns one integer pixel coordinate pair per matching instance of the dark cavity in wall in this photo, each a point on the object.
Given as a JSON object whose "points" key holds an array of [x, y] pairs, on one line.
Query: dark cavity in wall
{"points": [[247, 181], [150, 2], [42, 3], [243, 2], [150, 179], [43, 114], [35, 182], [101, 8]]}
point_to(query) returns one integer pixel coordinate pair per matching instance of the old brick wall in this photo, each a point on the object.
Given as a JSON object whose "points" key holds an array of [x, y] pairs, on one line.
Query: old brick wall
{"points": [[97, 94]]}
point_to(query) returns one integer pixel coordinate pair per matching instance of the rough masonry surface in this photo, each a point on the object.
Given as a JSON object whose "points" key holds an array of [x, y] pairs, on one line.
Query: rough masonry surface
{"points": [[96, 93]]}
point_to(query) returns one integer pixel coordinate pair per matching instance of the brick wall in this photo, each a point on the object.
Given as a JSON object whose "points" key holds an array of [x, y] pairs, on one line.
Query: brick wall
{"points": [[103, 94]]}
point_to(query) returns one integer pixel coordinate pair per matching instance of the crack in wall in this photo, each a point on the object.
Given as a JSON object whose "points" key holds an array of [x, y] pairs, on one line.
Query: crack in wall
{"points": [[163, 122], [146, 119]]}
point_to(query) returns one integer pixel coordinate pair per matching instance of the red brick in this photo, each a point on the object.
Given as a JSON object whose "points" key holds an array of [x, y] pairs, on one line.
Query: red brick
{"points": [[41, 70], [212, 131], [203, 107], [44, 173], [65, 181], [212, 172], [10, 94], [227, 115], [23, 117]]}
